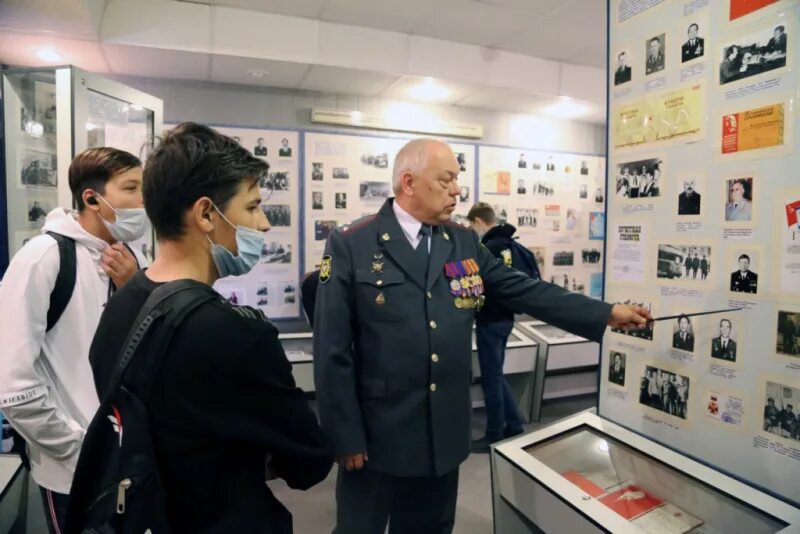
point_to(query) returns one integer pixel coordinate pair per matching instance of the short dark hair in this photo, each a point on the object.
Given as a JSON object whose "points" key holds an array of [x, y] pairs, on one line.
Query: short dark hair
{"points": [[482, 211], [730, 324], [190, 162], [684, 316], [621, 54], [656, 39], [696, 27], [744, 257], [781, 28], [93, 168]]}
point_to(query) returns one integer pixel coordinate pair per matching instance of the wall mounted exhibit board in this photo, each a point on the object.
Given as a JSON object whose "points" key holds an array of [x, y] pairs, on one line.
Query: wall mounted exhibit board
{"points": [[703, 215], [556, 201], [273, 285], [350, 176]]}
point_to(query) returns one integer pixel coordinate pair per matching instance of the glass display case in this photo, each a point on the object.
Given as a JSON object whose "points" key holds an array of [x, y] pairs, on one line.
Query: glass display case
{"points": [[51, 115], [587, 474]]}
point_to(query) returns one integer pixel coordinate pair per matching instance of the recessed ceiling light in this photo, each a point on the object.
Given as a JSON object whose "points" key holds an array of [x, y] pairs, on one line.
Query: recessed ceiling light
{"points": [[428, 90], [48, 54], [257, 73], [566, 108]]}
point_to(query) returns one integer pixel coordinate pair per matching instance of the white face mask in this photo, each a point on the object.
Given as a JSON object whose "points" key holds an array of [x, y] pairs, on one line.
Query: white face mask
{"points": [[130, 225]]}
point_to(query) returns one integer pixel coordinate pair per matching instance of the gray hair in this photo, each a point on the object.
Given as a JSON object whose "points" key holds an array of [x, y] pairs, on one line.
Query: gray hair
{"points": [[412, 158]]}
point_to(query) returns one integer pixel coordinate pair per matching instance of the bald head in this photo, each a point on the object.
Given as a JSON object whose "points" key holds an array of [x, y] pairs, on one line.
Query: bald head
{"points": [[425, 179]]}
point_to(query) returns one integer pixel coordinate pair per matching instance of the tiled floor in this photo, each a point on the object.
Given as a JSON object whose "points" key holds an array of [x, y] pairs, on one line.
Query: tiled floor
{"points": [[314, 510]]}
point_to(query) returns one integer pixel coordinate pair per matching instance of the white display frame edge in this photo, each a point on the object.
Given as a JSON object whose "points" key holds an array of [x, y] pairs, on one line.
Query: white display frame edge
{"points": [[513, 451]]}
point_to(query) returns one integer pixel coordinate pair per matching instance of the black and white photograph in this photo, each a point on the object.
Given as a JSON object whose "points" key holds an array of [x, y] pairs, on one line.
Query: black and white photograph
{"points": [[788, 342], [739, 199], [551, 165], [276, 252], [379, 161], [500, 213], [278, 214], [644, 333], [527, 217], [316, 200], [655, 48], [723, 344], [744, 279], [289, 294], [752, 54], [374, 190], [694, 45], [665, 391], [260, 149], [584, 168], [462, 161], [522, 163], [38, 210], [572, 219], [540, 253], [38, 169], [590, 255], [341, 201], [689, 197], [543, 189], [616, 367], [684, 262], [639, 179], [599, 197], [521, 189], [317, 171], [276, 181], [463, 194], [285, 151], [683, 334], [322, 229], [583, 191], [781, 409], [234, 296], [564, 258], [341, 173], [622, 70], [536, 166], [568, 281]]}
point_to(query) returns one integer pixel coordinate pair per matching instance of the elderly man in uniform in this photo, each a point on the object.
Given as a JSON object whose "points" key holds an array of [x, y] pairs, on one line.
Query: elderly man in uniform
{"points": [[392, 345]]}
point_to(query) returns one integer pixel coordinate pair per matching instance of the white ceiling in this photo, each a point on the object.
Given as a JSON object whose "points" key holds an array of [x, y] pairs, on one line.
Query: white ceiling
{"points": [[510, 55]]}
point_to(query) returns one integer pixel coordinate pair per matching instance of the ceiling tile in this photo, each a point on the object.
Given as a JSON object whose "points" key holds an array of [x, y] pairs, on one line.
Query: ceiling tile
{"points": [[62, 18], [400, 90], [294, 8], [346, 81], [19, 49], [537, 7], [503, 99], [156, 63], [472, 22], [396, 15], [231, 69]]}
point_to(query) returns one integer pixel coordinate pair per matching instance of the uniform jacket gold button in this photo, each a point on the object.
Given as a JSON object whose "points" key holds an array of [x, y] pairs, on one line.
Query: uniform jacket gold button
{"points": [[433, 387], [429, 295], [434, 357], [379, 282], [433, 325]]}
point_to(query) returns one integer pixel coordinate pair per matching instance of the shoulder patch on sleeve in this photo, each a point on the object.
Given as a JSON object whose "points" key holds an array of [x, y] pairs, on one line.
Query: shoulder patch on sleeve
{"points": [[506, 254], [325, 269]]}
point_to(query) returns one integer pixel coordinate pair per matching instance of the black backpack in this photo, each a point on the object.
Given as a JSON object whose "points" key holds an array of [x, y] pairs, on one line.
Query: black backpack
{"points": [[117, 487], [527, 262], [59, 298]]}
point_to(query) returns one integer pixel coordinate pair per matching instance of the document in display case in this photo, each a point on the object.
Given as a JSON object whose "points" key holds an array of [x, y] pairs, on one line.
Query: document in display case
{"points": [[587, 474]]}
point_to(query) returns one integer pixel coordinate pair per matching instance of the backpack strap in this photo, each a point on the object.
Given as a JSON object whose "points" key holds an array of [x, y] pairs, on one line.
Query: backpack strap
{"points": [[65, 281], [177, 298]]}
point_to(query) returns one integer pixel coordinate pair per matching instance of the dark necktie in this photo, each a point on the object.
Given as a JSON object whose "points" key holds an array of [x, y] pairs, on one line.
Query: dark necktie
{"points": [[421, 252]]}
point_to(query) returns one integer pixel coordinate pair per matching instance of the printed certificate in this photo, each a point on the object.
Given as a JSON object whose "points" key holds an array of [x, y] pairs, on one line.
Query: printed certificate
{"points": [[753, 129]]}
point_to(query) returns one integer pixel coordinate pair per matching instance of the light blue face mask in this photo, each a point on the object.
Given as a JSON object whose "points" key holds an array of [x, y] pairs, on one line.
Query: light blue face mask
{"points": [[249, 243]]}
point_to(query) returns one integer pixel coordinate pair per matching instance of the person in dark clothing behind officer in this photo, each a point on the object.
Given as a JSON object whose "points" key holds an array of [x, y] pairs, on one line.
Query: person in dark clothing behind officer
{"points": [[392, 345], [493, 326], [225, 412]]}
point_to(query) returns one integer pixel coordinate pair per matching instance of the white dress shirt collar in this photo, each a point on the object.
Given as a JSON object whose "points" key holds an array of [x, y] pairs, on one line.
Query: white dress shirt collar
{"points": [[408, 223]]}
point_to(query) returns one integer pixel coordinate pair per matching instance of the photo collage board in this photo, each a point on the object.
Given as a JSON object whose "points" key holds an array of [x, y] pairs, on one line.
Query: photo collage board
{"points": [[350, 176], [556, 202], [273, 286], [703, 215]]}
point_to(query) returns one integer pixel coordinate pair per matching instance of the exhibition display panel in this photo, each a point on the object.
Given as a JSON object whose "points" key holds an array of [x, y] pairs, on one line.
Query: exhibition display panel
{"points": [[50, 116]]}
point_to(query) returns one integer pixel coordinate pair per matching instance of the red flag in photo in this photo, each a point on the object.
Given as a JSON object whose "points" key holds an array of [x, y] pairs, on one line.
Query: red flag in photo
{"points": [[791, 213], [730, 133]]}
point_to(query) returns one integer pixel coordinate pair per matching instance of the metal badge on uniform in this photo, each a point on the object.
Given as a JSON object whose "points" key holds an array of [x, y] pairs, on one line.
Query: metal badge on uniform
{"points": [[325, 269], [385, 237], [377, 263], [380, 300]]}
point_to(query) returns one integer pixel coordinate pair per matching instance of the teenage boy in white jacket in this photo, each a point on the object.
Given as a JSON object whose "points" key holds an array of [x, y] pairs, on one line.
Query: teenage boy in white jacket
{"points": [[46, 386]]}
